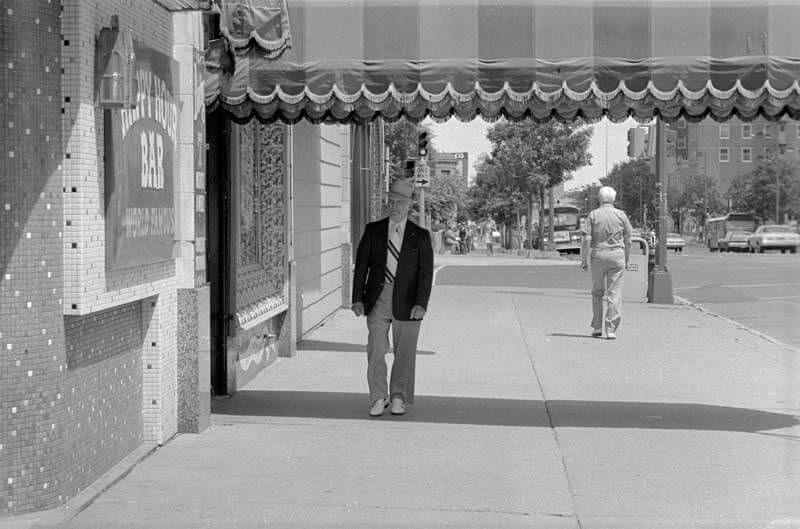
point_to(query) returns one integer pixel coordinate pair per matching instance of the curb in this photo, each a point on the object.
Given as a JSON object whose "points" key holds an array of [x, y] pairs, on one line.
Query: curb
{"points": [[770, 339], [63, 514]]}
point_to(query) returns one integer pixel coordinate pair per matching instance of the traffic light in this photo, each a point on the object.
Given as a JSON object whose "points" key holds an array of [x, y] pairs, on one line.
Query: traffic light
{"points": [[422, 144]]}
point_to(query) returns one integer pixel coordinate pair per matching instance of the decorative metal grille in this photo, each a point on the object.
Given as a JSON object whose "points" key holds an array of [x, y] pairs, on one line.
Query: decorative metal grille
{"points": [[261, 275]]}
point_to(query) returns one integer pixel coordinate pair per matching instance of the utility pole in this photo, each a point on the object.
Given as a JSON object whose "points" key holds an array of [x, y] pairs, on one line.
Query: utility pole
{"points": [[660, 284]]}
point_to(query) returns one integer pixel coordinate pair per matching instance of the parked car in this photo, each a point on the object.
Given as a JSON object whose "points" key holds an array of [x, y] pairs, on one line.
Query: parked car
{"points": [[675, 242], [773, 237], [734, 241]]}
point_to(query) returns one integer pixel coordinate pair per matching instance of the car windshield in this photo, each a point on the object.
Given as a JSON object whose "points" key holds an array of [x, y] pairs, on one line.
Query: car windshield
{"points": [[675, 235], [776, 229]]}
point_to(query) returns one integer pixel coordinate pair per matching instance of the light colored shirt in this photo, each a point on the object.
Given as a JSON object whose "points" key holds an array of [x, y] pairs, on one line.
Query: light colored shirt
{"points": [[608, 228], [399, 233]]}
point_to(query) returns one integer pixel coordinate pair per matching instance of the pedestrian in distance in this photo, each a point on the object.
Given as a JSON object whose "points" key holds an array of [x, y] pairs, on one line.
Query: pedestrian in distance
{"points": [[607, 245], [391, 286], [488, 236]]}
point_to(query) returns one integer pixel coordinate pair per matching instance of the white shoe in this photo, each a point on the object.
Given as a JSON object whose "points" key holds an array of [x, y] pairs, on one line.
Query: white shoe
{"points": [[398, 406], [377, 407], [597, 333], [610, 335]]}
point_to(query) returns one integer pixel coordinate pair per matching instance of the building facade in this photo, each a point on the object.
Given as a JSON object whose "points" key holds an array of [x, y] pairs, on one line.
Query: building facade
{"points": [[720, 151], [447, 164], [151, 254]]}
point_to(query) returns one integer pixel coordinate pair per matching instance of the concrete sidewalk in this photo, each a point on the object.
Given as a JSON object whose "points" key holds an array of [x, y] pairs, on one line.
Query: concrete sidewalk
{"points": [[520, 420]]}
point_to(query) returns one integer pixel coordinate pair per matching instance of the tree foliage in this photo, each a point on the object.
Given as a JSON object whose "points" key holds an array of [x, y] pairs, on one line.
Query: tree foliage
{"points": [[698, 192], [637, 190], [528, 158], [539, 155], [756, 191], [493, 195]]}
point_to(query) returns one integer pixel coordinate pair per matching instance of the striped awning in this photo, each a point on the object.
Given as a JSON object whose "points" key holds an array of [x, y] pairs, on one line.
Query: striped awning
{"points": [[355, 60]]}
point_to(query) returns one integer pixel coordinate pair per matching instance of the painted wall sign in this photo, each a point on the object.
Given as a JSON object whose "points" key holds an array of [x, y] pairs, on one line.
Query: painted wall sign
{"points": [[139, 153]]}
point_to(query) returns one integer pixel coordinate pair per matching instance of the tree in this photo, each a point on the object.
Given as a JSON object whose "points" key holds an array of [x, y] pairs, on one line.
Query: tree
{"points": [[585, 197], [698, 192], [756, 191], [445, 196], [533, 157], [493, 195], [637, 189]]}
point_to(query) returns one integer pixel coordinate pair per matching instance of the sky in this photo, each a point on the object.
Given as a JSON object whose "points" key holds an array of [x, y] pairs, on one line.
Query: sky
{"points": [[608, 145]]}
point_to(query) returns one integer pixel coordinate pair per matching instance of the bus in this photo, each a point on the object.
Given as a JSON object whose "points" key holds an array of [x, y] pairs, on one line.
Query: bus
{"points": [[566, 224], [717, 227]]}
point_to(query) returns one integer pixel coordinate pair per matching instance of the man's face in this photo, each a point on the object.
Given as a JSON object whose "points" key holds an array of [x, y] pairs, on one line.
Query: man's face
{"points": [[398, 208]]}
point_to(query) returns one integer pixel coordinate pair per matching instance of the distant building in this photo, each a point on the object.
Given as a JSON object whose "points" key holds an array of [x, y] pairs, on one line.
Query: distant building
{"points": [[451, 163], [719, 150]]}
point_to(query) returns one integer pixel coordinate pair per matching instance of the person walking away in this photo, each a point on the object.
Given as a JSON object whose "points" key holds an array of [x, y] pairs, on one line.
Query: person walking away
{"points": [[392, 284], [489, 238], [450, 242], [607, 244], [462, 239]]}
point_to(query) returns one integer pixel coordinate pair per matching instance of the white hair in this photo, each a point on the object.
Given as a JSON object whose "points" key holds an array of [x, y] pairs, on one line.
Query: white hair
{"points": [[607, 195]]}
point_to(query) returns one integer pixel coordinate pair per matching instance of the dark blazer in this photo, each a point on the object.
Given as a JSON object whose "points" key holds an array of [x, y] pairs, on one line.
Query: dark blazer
{"points": [[413, 278]]}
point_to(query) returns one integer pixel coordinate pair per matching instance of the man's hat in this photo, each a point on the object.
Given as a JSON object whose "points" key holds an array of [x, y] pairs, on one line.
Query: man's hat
{"points": [[402, 189]]}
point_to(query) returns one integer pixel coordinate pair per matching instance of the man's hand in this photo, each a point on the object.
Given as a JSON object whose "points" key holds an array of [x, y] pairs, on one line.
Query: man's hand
{"points": [[357, 308], [417, 313], [584, 265]]}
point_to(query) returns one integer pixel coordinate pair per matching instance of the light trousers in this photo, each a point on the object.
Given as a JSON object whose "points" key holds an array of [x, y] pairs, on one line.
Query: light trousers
{"points": [[608, 268], [405, 335]]}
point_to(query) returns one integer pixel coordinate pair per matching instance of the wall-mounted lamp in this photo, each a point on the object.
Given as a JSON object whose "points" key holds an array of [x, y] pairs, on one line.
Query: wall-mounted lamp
{"points": [[115, 67]]}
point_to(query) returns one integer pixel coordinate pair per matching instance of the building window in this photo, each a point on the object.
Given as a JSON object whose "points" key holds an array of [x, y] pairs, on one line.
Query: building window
{"points": [[747, 131], [747, 155], [724, 132], [767, 131], [724, 154], [782, 127], [681, 143], [681, 123]]}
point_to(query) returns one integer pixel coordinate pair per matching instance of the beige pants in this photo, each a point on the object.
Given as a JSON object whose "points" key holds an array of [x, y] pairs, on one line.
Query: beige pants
{"points": [[404, 336], [608, 267]]}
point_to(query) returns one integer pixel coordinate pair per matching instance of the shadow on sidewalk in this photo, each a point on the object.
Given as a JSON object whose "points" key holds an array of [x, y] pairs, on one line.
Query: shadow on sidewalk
{"points": [[321, 345], [509, 412]]}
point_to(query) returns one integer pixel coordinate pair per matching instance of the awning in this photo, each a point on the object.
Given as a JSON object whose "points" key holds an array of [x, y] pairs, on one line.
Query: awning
{"points": [[356, 60]]}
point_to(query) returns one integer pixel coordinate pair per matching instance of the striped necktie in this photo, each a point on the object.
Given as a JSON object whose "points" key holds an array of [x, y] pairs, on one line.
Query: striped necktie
{"points": [[393, 253]]}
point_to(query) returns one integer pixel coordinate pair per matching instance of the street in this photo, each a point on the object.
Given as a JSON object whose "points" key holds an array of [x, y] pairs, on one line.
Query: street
{"points": [[760, 291]]}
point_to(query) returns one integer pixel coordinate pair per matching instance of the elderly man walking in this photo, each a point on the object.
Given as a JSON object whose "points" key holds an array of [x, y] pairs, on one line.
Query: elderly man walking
{"points": [[392, 284], [607, 245]]}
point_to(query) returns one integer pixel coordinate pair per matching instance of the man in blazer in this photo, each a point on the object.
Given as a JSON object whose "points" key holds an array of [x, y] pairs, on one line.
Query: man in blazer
{"points": [[391, 285]]}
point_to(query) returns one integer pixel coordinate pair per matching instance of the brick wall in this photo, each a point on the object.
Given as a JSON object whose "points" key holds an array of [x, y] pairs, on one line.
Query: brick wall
{"points": [[102, 391], [87, 357], [89, 288], [87, 285], [32, 357]]}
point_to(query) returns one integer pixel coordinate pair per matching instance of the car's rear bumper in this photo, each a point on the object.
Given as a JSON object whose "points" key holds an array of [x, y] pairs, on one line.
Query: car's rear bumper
{"points": [[778, 244]]}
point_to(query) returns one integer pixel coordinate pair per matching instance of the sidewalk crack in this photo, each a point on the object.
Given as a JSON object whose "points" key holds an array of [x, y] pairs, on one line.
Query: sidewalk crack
{"points": [[547, 410]]}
